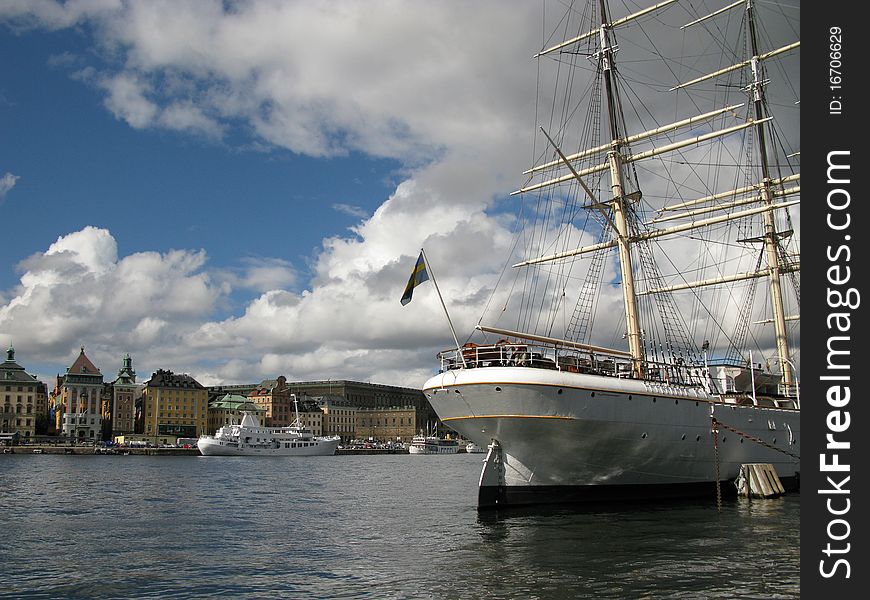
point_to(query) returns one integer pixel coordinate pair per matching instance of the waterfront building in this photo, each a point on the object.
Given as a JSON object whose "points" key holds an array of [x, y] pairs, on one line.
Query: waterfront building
{"points": [[55, 406], [310, 415], [339, 416], [360, 394], [274, 397], [174, 405], [124, 392], [394, 423], [370, 395], [229, 410], [218, 391], [41, 409], [20, 398], [79, 395]]}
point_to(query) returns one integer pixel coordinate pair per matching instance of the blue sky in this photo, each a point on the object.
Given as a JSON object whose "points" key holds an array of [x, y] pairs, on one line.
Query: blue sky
{"points": [[79, 165], [239, 190]]}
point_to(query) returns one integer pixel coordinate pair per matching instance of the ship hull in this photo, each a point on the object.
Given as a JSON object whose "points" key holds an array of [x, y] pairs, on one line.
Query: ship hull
{"points": [[571, 437]]}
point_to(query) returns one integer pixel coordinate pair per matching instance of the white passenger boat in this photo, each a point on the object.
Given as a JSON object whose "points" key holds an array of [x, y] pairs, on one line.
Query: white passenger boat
{"points": [[671, 225], [252, 439], [432, 444], [472, 448]]}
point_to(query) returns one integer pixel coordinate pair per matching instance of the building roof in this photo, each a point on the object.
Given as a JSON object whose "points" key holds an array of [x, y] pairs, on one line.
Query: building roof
{"points": [[309, 406], [168, 379], [12, 371], [328, 401], [236, 402], [83, 365], [126, 374]]}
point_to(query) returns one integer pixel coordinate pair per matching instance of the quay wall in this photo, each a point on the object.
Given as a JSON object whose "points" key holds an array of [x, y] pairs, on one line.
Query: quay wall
{"points": [[90, 450]]}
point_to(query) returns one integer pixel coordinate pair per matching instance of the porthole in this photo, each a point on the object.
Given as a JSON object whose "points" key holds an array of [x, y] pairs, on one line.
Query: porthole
{"points": [[698, 438], [654, 399], [676, 401], [498, 389], [593, 394], [629, 396], [774, 440], [683, 436], [559, 391], [741, 440], [643, 436]]}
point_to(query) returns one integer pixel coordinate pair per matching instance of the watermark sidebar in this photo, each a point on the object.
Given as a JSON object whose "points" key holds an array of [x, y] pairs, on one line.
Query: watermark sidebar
{"points": [[834, 537]]}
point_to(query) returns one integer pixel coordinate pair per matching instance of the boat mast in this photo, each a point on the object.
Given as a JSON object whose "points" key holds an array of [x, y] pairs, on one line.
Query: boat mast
{"points": [[770, 234], [296, 407], [619, 204]]}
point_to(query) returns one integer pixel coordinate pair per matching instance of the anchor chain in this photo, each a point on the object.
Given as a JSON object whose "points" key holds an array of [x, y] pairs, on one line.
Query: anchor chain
{"points": [[752, 438], [716, 456]]}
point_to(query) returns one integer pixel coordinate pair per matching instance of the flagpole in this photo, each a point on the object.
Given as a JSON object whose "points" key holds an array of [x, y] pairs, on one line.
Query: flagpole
{"points": [[444, 306]]}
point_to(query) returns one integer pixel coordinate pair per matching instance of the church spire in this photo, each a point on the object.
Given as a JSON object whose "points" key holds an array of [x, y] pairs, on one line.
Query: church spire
{"points": [[126, 371]]}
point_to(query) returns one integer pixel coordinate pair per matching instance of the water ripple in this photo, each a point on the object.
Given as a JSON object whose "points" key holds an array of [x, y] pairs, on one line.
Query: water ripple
{"points": [[382, 527]]}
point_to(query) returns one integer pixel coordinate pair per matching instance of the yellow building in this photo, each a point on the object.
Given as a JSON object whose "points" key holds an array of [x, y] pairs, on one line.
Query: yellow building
{"points": [[310, 415], [174, 406], [19, 398], [339, 416], [395, 423], [274, 397]]}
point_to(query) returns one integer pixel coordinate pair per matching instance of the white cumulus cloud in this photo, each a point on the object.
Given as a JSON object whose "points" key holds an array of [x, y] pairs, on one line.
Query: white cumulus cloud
{"points": [[446, 88], [80, 292]]}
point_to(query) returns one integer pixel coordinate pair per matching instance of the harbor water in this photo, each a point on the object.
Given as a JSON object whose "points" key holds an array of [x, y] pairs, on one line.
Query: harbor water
{"points": [[394, 526]]}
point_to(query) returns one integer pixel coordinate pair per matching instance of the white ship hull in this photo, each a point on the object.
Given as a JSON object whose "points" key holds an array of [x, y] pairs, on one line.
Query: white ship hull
{"points": [[578, 437], [249, 438], [432, 449], [209, 446]]}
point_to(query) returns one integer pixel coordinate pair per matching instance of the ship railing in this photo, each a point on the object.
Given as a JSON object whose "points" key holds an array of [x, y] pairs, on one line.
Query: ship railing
{"points": [[572, 360], [789, 390]]}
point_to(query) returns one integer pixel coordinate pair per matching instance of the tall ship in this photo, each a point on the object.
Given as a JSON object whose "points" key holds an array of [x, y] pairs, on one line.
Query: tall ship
{"points": [[643, 341]]}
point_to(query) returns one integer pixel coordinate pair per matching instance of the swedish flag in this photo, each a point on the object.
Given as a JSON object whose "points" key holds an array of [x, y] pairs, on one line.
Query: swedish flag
{"points": [[418, 276]]}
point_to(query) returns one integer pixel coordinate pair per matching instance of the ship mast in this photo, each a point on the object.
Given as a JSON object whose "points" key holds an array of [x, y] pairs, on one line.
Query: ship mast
{"points": [[619, 204], [715, 208], [770, 234]]}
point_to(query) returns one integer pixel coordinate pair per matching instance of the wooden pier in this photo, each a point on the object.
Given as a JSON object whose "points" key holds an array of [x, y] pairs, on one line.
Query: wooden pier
{"points": [[759, 480]]}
